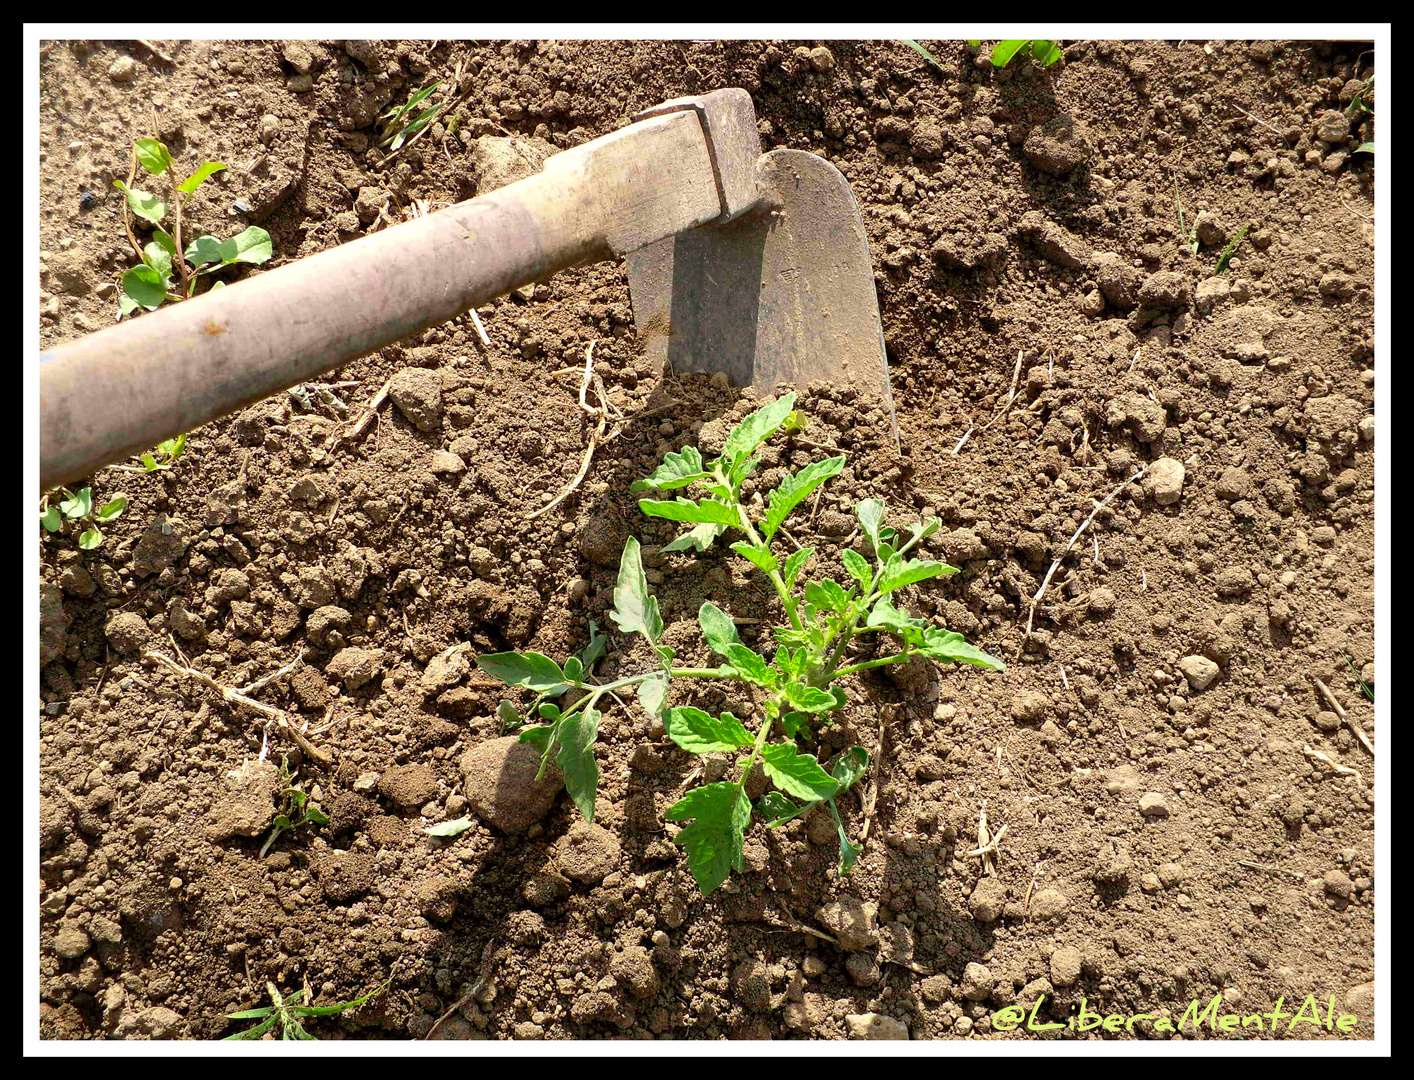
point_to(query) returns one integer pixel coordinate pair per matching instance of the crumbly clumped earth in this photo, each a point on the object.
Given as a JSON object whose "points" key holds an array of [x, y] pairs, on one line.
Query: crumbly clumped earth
{"points": [[1168, 838]]}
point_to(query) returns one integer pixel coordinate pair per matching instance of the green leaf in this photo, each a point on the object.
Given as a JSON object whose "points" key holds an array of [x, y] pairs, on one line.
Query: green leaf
{"points": [[156, 255], [777, 809], [195, 180], [717, 628], [922, 52], [797, 774], [635, 610], [810, 699], [889, 617], [848, 767], [678, 470], [759, 557], [898, 573], [751, 665], [756, 429], [1365, 148], [510, 715], [795, 722], [533, 670], [827, 595], [652, 693], [870, 513], [51, 519], [576, 759], [90, 539], [595, 649], [924, 528], [948, 645], [699, 732], [145, 287], [795, 488], [574, 671], [720, 814], [143, 203], [153, 156], [251, 1014], [112, 508], [548, 710], [252, 245], [858, 567], [449, 828], [699, 537], [81, 505], [712, 511], [1045, 53], [794, 564], [1005, 50], [1224, 258], [849, 851], [541, 737]]}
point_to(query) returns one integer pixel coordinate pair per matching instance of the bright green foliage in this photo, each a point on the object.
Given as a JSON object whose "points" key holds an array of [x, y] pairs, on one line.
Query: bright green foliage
{"points": [[61, 505], [795, 679], [149, 284], [401, 124], [166, 453], [1045, 53], [288, 1012]]}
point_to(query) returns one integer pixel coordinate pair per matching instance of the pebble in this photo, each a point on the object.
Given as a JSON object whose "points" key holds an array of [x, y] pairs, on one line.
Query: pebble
{"points": [[1165, 481], [1065, 966], [1199, 671], [988, 900], [1153, 805], [123, 69], [875, 1026]]}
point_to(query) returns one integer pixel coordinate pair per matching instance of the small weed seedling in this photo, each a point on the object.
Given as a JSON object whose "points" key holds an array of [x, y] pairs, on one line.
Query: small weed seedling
{"points": [[794, 691], [1044, 53], [288, 1012], [1365, 687], [295, 809], [1188, 232], [1221, 268], [397, 125], [149, 285], [159, 460], [62, 506]]}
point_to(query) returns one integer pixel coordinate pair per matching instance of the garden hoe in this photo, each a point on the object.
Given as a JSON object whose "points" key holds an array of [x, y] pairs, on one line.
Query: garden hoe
{"points": [[753, 265]]}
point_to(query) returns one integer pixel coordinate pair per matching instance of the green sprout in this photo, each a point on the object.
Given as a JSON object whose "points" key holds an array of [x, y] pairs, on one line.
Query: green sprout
{"points": [[150, 284], [295, 809], [795, 688], [1044, 53], [66, 506], [288, 1012], [1228, 251], [396, 123]]}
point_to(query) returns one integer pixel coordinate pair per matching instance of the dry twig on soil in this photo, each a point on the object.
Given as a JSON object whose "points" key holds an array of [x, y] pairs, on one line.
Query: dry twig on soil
{"points": [[604, 414], [1345, 718]]}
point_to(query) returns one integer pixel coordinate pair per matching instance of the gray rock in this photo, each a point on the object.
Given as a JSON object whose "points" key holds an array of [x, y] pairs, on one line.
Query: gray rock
{"points": [[1153, 804], [500, 785], [444, 671], [417, 392]]}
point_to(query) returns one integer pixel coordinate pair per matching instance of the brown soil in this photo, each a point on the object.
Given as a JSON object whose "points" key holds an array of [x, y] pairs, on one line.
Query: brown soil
{"points": [[1164, 844]]}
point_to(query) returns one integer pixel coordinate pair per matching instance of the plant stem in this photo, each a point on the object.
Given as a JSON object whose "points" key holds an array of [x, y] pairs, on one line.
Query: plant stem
{"points": [[775, 575], [880, 662]]}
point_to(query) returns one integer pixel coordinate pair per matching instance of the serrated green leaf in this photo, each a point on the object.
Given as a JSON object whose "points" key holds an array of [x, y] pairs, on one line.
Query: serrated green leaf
{"points": [[827, 595], [777, 809], [848, 767], [870, 513], [810, 699], [717, 628], [750, 664], [153, 156], [652, 693], [793, 489], [720, 814], [699, 538], [858, 567], [576, 737], [665, 652], [759, 556], [710, 511], [145, 287], [920, 530], [797, 774], [885, 615], [756, 429], [948, 645], [143, 203], [677, 470], [794, 564], [509, 715], [899, 572], [533, 670], [207, 170], [635, 609], [547, 710], [793, 723], [699, 732]]}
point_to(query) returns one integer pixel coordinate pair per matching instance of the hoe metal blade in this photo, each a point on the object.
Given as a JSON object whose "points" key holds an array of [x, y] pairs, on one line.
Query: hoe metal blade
{"points": [[783, 293]]}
